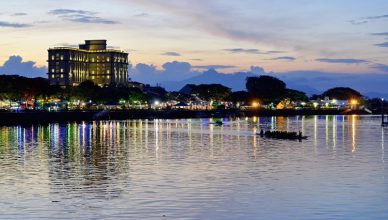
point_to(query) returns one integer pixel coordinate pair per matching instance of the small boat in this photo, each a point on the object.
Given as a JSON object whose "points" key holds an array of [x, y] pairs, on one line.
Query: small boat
{"points": [[284, 135], [217, 122]]}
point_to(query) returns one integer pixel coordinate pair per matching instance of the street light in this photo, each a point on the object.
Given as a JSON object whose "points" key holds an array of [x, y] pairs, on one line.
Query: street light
{"points": [[255, 104], [353, 102]]}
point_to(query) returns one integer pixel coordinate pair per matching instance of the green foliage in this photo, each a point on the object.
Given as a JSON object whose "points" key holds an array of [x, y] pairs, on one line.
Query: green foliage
{"points": [[179, 97], [295, 95], [239, 96], [267, 88], [18, 88], [211, 92], [342, 93]]}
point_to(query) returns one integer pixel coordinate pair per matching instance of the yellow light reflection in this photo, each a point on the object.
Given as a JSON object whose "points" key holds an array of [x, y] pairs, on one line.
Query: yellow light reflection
{"points": [[382, 145], [315, 130], [354, 118]]}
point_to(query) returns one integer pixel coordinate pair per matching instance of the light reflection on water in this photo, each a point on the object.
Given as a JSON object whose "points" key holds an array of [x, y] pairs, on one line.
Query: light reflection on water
{"points": [[193, 169]]}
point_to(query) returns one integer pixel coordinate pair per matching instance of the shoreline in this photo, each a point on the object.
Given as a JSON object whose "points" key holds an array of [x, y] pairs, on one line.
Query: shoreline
{"points": [[33, 117]]}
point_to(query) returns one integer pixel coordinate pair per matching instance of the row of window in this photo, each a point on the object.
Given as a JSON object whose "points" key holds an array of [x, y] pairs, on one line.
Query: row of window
{"points": [[53, 70], [93, 59], [61, 76], [53, 76]]}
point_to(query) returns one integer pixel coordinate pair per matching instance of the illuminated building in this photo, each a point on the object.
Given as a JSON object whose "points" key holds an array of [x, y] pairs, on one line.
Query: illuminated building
{"points": [[68, 66]]}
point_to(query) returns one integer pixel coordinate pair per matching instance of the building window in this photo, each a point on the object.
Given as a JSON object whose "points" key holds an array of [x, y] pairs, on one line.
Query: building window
{"points": [[62, 76], [107, 59], [53, 70], [108, 77], [61, 57], [52, 57], [61, 70], [108, 71]]}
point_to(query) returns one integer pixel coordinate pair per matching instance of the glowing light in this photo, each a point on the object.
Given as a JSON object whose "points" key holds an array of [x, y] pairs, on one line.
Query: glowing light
{"points": [[255, 104], [315, 104], [353, 102], [156, 103]]}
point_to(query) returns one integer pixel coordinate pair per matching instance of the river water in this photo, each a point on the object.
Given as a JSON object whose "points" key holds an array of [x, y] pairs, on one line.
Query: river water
{"points": [[193, 169]]}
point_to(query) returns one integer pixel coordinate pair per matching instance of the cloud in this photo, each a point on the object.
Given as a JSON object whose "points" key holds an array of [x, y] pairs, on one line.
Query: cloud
{"points": [[197, 59], [380, 34], [142, 15], [385, 44], [214, 67], [175, 75], [241, 50], [257, 70], [19, 14], [346, 61], [355, 22], [67, 45], [171, 53], [113, 47], [14, 25], [251, 51], [380, 67], [16, 66], [377, 17], [366, 20], [177, 68], [172, 71], [287, 58], [80, 16], [274, 51], [62, 11], [217, 19]]}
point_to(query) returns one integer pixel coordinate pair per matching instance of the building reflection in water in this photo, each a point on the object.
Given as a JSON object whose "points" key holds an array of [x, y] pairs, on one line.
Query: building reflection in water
{"points": [[354, 119], [382, 145], [98, 141], [98, 149]]}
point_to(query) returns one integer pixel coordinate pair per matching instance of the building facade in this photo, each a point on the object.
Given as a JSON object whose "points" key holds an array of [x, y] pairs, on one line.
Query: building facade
{"points": [[69, 66]]}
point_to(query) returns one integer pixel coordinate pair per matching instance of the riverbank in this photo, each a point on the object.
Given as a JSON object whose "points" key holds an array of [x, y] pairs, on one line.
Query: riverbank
{"points": [[26, 118]]}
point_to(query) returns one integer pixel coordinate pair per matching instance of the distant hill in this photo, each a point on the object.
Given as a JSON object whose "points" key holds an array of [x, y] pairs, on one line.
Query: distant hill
{"points": [[235, 81], [310, 82]]}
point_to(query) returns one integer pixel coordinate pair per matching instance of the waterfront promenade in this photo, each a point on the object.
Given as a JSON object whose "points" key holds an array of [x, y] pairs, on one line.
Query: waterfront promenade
{"points": [[36, 117]]}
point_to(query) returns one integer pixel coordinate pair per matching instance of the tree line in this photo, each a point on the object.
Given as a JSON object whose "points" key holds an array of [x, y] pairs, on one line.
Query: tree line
{"points": [[263, 89]]}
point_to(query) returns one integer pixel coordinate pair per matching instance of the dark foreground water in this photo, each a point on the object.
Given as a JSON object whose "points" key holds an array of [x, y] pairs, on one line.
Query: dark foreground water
{"points": [[190, 169]]}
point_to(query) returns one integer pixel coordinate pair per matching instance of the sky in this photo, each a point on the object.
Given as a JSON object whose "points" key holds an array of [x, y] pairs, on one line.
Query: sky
{"points": [[347, 36]]}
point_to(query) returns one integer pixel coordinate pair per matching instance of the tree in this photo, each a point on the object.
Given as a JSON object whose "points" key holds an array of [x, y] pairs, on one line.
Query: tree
{"points": [[179, 96], [267, 88], [86, 91], [211, 92], [295, 95], [342, 93], [239, 97]]}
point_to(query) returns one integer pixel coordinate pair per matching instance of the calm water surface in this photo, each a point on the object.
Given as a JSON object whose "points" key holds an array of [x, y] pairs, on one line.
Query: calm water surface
{"points": [[191, 169]]}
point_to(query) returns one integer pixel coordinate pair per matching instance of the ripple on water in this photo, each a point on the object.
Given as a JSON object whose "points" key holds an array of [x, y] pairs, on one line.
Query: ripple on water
{"points": [[190, 169]]}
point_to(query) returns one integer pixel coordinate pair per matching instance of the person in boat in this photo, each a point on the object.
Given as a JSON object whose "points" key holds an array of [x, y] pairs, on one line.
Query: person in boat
{"points": [[261, 133]]}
